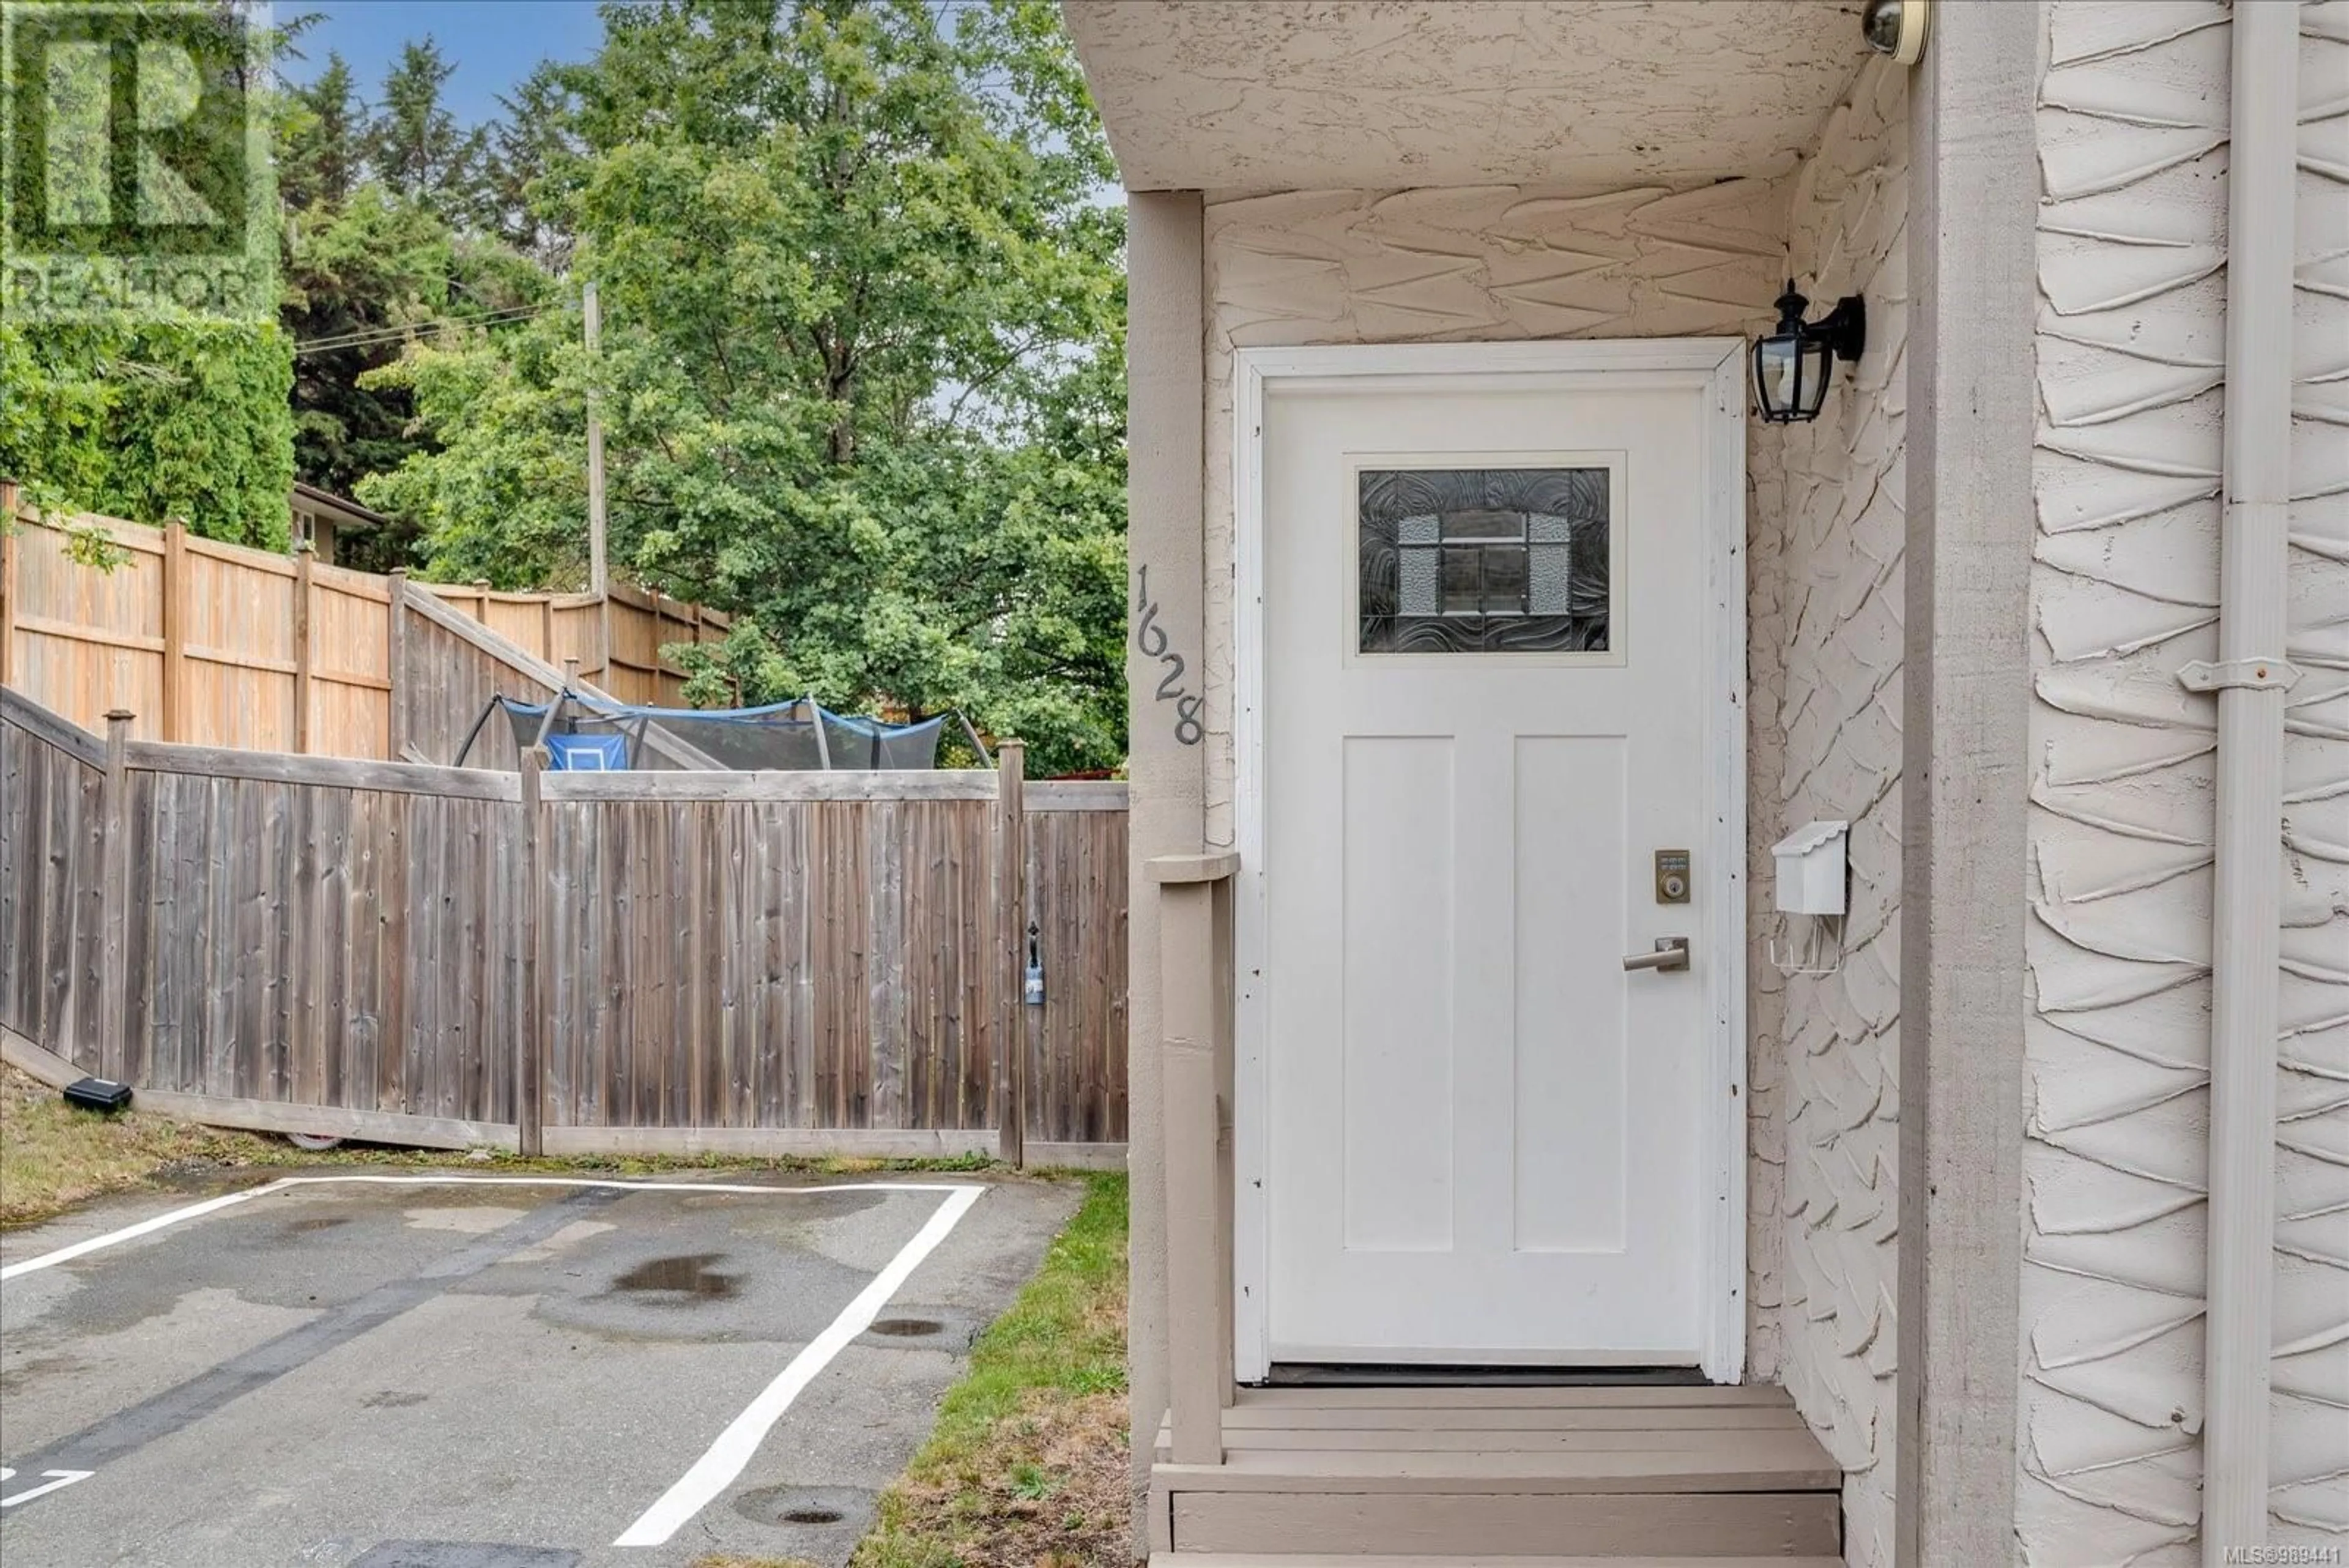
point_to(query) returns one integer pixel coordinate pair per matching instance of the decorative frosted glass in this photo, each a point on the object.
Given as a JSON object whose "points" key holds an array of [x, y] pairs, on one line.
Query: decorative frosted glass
{"points": [[1421, 592], [1521, 565], [1552, 571]]}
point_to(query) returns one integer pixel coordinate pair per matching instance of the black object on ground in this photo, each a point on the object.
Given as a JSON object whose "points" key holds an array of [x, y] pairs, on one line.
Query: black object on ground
{"points": [[97, 1094]]}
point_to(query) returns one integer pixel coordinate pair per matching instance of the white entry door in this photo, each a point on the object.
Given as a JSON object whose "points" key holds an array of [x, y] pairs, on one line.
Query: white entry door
{"points": [[1486, 706]]}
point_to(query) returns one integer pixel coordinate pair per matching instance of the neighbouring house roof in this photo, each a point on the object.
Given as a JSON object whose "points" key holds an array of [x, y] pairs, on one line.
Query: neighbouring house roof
{"points": [[340, 510], [1240, 95]]}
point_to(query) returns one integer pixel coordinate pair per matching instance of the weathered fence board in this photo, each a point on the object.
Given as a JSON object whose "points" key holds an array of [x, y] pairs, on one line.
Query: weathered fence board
{"points": [[89, 640], [448, 678], [386, 940], [50, 804], [350, 664], [219, 645], [1076, 898]]}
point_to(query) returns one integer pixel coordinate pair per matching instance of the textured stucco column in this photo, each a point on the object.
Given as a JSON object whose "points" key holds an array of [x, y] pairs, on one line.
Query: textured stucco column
{"points": [[1164, 402], [1964, 781]]}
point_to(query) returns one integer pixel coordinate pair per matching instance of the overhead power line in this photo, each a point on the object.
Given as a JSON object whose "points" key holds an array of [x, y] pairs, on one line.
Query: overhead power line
{"points": [[414, 329], [374, 335]]}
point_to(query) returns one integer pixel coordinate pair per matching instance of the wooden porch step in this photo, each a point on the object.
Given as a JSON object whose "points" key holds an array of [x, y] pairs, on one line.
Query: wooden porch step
{"points": [[1295, 1560], [1641, 1461], [1523, 1476], [1511, 1440], [1444, 1525]]}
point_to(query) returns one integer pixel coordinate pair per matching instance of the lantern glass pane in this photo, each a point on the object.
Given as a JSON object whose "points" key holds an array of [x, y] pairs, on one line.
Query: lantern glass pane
{"points": [[1817, 369], [1776, 361]]}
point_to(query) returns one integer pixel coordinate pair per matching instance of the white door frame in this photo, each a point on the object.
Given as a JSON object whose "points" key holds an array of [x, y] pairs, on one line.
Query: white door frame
{"points": [[1716, 368]]}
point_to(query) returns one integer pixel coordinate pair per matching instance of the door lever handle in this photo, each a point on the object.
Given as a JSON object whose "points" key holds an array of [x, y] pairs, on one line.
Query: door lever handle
{"points": [[1671, 952]]}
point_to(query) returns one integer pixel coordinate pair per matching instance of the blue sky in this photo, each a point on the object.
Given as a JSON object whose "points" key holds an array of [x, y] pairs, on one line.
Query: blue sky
{"points": [[493, 42]]}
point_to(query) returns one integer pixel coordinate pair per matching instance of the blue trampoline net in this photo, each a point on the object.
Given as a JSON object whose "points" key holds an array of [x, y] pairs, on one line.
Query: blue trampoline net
{"points": [[590, 733]]}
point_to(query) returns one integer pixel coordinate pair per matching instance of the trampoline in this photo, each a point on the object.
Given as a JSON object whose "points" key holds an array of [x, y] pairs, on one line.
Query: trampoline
{"points": [[593, 734]]}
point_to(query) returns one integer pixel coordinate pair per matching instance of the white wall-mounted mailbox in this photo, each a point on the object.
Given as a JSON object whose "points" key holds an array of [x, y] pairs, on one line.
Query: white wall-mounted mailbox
{"points": [[1811, 868]]}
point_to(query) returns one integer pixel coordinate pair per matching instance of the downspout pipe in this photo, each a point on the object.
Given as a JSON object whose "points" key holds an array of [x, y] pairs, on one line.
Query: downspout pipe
{"points": [[2250, 679]]}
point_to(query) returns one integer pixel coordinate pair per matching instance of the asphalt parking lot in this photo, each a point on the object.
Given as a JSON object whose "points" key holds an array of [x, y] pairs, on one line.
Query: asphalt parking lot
{"points": [[458, 1373]]}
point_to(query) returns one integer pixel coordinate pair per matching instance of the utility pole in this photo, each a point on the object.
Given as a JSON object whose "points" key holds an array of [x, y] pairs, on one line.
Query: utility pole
{"points": [[599, 580]]}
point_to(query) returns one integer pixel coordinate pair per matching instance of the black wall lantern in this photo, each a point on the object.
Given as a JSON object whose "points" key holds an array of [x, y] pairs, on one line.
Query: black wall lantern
{"points": [[1793, 365]]}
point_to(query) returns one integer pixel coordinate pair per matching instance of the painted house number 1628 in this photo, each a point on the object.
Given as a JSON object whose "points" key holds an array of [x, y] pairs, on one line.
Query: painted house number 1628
{"points": [[1151, 641]]}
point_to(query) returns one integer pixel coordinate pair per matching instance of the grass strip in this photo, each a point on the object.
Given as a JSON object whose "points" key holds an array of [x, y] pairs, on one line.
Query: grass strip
{"points": [[54, 1156], [1027, 1465]]}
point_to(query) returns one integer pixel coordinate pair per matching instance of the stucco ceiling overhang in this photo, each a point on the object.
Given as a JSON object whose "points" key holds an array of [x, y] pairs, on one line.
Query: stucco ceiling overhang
{"points": [[1266, 95]]}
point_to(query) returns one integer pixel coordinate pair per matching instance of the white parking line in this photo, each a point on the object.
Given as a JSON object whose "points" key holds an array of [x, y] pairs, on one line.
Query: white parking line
{"points": [[54, 1477], [716, 1469], [133, 1232], [286, 1183]]}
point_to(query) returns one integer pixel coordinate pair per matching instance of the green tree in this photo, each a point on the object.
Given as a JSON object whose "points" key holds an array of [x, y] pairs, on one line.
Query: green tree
{"points": [[524, 144], [414, 144], [390, 232], [357, 275], [861, 379], [320, 140], [152, 420], [161, 414]]}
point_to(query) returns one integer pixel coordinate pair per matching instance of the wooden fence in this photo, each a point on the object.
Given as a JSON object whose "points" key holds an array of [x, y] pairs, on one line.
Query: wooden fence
{"points": [[218, 645], [572, 963]]}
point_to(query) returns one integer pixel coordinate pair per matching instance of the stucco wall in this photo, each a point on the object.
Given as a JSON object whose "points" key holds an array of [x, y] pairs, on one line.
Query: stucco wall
{"points": [[1825, 594], [2132, 125]]}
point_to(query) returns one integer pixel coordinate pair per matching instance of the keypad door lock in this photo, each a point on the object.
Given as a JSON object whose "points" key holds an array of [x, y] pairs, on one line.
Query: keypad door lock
{"points": [[1672, 876]]}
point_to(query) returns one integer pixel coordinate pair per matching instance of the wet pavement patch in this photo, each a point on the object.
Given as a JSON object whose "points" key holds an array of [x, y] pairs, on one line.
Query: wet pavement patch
{"points": [[807, 1203], [116, 1436], [806, 1506], [463, 1554], [907, 1327], [923, 1326], [686, 1275], [15, 1376]]}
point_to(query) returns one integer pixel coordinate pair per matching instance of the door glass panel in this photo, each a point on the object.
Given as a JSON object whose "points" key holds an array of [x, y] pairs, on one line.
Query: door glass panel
{"points": [[1484, 560], [1462, 590], [1505, 579], [1483, 524]]}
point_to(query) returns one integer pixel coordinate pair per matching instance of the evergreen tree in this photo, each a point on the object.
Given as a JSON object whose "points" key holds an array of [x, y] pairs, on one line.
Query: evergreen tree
{"points": [[163, 413], [414, 144], [381, 245], [320, 155], [524, 144]]}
